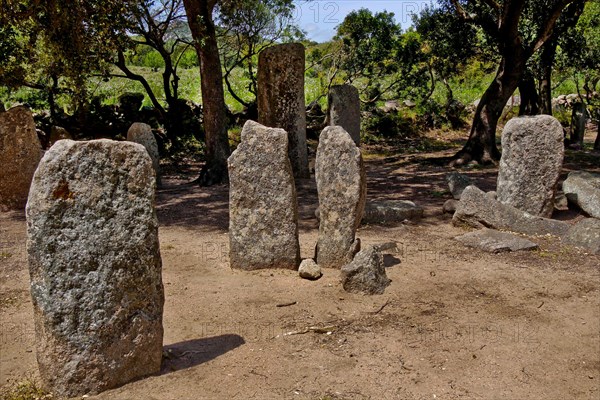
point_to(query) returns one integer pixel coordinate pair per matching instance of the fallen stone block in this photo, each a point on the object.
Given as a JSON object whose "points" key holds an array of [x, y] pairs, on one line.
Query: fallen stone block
{"points": [[479, 210], [366, 273], [583, 189], [585, 234], [494, 241], [386, 212]]}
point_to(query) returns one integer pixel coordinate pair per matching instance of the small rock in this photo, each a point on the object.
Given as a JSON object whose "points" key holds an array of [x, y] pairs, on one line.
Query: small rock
{"points": [[366, 273], [457, 183], [450, 206], [560, 201], [583, 189], [387, 212], [585, 234], [494, 241], [309, 269]]}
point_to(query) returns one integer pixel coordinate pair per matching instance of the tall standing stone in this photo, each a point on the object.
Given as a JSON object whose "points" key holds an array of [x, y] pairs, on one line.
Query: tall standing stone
{"points": [[95, 266], [342, 189], [263, 210], [20, 153], [532, 157], [344, 110], [142, 133], [281, 99]]}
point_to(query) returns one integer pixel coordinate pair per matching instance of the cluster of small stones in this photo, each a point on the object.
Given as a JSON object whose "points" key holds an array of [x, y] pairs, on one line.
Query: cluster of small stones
{"points": [[20, 153], [95, 266]]}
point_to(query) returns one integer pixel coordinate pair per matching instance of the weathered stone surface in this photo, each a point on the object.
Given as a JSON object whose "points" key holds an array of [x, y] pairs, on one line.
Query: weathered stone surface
{"points": [[449, 206], [388, 212], [344, 110], [532, 158], [58, 133], [457, 182], [95, 266], [281, 99], [583, 189], [20, 153], [309, 269], [479, 210], [342, 188], [263, 210], [366, 273], [494, 241], [142, 133], [585, 234]]}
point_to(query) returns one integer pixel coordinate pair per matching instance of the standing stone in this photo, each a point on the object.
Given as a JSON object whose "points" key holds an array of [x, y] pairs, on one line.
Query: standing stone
{"points": [[263, 210], [20, 153], [578, 121], [281, 99], [344, 110], [95, 266], [142, 133], [342, 189], [532, 157], [58, 133]]}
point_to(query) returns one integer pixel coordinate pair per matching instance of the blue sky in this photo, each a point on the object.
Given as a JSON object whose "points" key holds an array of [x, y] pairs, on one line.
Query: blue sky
{"points": [[320, 17]]}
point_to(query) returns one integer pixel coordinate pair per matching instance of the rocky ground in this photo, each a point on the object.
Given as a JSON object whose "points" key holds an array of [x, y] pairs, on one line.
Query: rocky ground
{"points": [[455, 323]]}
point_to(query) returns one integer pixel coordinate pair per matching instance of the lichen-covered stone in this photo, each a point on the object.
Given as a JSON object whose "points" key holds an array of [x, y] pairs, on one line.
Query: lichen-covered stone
{"points": [[532, 158], [142, 133], [366, 273], [95, 266], [20, 153], [344, 110], [342, 188], [281, 99], [263, 210], [583, 189]]}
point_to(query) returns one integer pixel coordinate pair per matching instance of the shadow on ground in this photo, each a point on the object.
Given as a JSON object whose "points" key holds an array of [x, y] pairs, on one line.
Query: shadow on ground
{"points": [[183, 355]]}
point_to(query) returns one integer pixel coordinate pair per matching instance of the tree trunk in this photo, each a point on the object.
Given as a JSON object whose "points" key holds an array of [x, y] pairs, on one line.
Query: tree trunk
{"points": [[529, 96], [597, 142], [545, 85], [481, 145], [199, 15]]}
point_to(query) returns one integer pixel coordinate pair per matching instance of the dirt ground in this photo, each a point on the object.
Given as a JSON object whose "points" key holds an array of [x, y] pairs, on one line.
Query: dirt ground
{"points": [[455, 323]]}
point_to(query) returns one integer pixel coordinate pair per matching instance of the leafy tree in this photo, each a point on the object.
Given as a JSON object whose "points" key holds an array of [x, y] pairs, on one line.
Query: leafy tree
{"points": [[519, 29], [245, 29], [372, 53]]}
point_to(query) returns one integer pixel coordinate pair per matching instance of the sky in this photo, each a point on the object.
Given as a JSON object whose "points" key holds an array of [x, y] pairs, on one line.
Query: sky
{"points": [[319, 18]]}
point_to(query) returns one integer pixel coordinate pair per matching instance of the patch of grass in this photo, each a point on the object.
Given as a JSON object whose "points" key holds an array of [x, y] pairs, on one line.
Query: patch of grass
{"points": [[26, 389]]}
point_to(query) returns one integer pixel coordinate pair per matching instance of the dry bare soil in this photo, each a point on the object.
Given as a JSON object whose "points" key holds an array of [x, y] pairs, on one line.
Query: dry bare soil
{"points": [[454, 324]]}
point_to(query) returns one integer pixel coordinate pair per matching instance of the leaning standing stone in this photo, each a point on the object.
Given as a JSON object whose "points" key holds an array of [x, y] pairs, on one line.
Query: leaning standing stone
{"points": [[342, 189], [263, 210], [532, 157], [142, 133], [281, 99], [344, 110], [20, 153], [95, 266]]}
